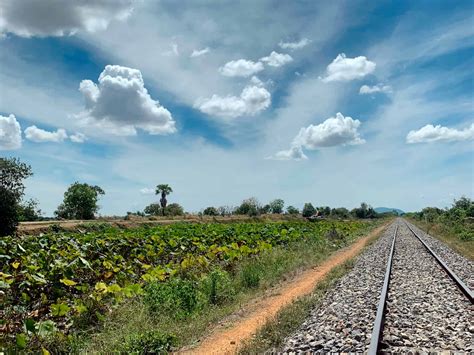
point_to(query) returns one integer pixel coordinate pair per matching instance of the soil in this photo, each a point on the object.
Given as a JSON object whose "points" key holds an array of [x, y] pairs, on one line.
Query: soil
{"points": [[228, 335]]}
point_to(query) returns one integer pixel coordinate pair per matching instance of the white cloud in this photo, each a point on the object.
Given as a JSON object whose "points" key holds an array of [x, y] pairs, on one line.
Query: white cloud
{"points": [[29, 18], [334, 131], [251, 101], [147, 191], [174, 51], [199, 52], [10, 133], [345, 69], [39, 135], [277, 59], [294, 45], [120, 104], [294, 153], [78, 137], [255, 80], [241, 67], [430, 133], [365, 89]]}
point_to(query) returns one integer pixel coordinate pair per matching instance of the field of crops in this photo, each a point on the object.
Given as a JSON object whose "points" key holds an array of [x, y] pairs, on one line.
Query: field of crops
{"points": [[51, 282]]}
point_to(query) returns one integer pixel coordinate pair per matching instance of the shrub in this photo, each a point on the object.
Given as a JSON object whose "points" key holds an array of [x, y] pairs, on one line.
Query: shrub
{"points": [[308, 210], [153, 209], [210, 211], [276, 206], [292, 210], [150, 342], [250, 207], [177, 297], [218, 287]]}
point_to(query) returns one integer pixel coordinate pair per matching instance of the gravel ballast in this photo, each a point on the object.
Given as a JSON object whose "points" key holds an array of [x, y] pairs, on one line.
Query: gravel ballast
{"points": [[426, 312]]}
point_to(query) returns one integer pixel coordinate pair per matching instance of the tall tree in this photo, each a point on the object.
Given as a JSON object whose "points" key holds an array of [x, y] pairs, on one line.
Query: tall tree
{"points": [[12, 174], [80, 202], [164, 190]]}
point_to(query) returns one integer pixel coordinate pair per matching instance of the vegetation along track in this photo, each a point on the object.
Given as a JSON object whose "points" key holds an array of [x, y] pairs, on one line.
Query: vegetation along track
{"points": [[428, 307]]}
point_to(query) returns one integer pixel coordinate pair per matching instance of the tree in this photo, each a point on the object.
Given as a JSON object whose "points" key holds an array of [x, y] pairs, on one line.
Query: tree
{"points": [[29, 211], [308, 210], [225, 210], [364, 211], [340, 212], [8, 212], [292, 210], [210, 211], [12, 174], [265, 209], [164, 190], [153, 209], [250, 207], [324, 211], [276, 206], [174, 209], [80, 202]]}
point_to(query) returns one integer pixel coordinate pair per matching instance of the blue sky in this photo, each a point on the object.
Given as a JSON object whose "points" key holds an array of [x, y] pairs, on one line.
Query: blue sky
{"points": [[329, 102]]}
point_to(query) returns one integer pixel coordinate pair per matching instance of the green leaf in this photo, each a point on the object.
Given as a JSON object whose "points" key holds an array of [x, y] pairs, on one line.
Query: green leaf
{"points": [[68, 282], [30, 325], [21, 340], [59, 309]]}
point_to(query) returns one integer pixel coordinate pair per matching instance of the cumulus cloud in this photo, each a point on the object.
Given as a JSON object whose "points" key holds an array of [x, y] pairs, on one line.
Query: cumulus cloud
{"points": [[251, 101], [30, 18], [277, 59], [366, 90], [294, 153], [39, 135], [78, 137], [345, 69], [120, 103], [241, 67], [255, 80], [199, 52], [294, 45], [430, 133], [147, 191], [334, 131], [10, 133]]}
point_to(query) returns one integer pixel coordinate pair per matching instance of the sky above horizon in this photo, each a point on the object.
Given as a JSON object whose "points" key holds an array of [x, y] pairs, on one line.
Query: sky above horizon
{"points": [[334, 102]]}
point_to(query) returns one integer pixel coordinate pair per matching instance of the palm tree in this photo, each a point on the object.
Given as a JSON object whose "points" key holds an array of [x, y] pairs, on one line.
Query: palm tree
{"points": [[164, 190]]}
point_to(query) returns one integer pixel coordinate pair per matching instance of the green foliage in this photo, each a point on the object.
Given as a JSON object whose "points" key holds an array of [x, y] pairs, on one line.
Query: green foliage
{"points": [[292, 210], [276, 206], [324, 211], [8, 212], [176, 298], [174, 209], [150, 342], [153, 209], [75, 277], [250, 275], [29, 211], [308, 210], [340, 212], [217, 287], [364, 211], [80, 202], [250, 207], [210, 211], [12, 174]]}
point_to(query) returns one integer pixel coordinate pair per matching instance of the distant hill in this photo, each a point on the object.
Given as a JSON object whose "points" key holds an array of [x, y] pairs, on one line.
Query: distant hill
{"points": [[388, 209]]}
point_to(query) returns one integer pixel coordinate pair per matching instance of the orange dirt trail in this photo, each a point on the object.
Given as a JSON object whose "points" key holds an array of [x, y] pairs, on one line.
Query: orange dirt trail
{"points": [[227, 340]]}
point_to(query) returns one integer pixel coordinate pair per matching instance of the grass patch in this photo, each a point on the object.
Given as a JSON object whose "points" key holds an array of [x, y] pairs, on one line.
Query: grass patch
{"points": [[272, 334], [450, 236]]}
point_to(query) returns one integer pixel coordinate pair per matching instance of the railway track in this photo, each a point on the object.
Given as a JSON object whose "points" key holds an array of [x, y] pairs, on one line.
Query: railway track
{"points": [[423, 304]]}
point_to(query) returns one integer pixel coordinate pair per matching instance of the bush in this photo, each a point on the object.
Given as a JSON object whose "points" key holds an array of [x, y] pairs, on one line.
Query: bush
{"points": [[292, 210], [308, 210], [250, 207], [177, 297], [150, 342], [9, 212], [29, 211], [218, 287], [276, 206], [153, 209], [210, 211]]}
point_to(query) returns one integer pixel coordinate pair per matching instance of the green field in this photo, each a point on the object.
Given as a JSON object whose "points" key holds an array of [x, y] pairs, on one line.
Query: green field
{"points": [[58, 285]]}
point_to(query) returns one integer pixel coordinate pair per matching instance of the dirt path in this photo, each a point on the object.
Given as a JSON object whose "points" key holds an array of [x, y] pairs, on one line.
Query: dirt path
{"points": [[227, 340]]}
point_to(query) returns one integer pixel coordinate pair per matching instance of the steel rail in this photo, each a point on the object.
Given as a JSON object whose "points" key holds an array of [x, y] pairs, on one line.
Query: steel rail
{"points": [[379, 318], [462, 286]]}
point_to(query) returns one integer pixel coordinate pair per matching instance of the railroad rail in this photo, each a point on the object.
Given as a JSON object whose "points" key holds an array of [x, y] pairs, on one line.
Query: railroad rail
{"points": [[380, 317]]}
